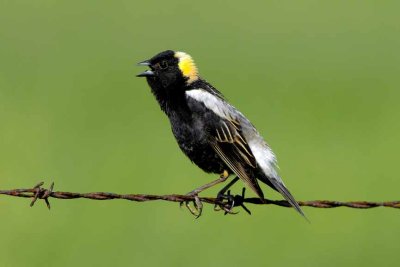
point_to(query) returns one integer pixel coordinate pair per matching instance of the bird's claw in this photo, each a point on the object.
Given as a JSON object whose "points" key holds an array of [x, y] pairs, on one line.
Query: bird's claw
{"points": [[198, 205], [227, 202]]}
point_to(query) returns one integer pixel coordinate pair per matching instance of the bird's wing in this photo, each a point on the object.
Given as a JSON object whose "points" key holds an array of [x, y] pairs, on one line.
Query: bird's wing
{"points": [[229, 131], [240, 146], [235, 152], [226, 137]]}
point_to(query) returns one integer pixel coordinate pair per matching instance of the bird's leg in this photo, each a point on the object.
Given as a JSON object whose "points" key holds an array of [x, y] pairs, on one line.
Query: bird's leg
{"points": [[197, 202], [222, 178], [221, 193], [221, 196]]}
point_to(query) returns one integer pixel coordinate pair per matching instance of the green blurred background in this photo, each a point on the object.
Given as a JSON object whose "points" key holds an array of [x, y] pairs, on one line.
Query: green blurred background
{"points": [[320, 80]]}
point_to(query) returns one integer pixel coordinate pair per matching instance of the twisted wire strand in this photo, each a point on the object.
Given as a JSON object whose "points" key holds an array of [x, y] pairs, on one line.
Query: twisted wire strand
{"points": [[38, 192]]}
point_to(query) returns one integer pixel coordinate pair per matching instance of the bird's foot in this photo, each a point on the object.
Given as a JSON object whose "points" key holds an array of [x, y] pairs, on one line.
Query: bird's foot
{"points": [[227, 202], [197, 208]]}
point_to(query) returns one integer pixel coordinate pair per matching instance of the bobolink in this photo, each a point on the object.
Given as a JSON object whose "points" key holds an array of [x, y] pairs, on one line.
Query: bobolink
{"points": [[211, 132]]}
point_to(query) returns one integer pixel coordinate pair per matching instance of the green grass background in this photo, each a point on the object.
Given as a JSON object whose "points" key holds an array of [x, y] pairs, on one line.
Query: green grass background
{"points": [[319, 79]]}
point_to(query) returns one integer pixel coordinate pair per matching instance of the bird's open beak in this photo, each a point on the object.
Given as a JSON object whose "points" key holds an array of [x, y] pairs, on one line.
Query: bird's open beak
{"points": [[144, 63], [147, 73]]}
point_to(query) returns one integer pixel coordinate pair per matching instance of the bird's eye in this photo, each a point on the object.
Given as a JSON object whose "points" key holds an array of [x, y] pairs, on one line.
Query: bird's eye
{"points": [[164, 64]]}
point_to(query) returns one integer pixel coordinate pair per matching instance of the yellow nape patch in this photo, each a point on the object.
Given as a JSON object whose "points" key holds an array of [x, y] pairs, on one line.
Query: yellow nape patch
{"points": [[187, 66]]}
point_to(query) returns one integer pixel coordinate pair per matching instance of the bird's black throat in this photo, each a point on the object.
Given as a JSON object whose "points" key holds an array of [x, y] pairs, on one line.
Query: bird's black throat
{"points": [[171, 98]]}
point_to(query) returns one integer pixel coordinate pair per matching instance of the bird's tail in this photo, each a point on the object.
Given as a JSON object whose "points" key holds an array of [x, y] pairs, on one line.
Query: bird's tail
{"points": [[281, 188]]}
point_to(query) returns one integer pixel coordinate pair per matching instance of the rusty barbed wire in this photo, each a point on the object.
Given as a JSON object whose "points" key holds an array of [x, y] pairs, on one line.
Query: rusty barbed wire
{"points": [[38, 192]]}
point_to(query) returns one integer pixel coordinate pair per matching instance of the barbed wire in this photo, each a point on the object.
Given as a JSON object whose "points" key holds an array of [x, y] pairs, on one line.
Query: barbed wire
{"points": [[38, 192]]}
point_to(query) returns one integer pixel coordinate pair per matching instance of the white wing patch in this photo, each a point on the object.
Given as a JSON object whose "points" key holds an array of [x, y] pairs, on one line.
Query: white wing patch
{"points": [[264, 156], [220, 107]]}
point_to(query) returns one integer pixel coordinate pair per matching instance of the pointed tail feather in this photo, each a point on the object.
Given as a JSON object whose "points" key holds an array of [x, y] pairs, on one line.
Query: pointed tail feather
{"points": [[287, 195]]}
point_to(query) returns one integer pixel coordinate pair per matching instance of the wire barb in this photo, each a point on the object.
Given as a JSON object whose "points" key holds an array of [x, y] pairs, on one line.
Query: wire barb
{"points": [[38, 192], [41, 193]]}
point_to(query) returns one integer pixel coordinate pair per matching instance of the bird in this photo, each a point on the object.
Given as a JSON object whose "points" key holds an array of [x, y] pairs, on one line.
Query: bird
{"points": [[211, 132]]}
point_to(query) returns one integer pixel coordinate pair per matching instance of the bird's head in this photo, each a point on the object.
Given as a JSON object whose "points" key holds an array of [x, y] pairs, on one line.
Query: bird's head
{"points": [[170, 69]]}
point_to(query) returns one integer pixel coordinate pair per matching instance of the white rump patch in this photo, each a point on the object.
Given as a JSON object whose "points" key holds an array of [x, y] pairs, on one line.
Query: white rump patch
{"points": [[264, 157]]}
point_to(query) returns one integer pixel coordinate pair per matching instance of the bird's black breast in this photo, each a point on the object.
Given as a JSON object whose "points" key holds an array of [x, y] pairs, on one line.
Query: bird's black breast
{"points": [[190, 128]]}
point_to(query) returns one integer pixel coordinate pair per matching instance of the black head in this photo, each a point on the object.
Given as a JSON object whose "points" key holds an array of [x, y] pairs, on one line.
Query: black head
{"points": [[169, 69]]}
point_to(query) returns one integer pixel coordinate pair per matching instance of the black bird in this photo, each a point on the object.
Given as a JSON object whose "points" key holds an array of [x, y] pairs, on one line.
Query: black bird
{"points": [[212, 133]]}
